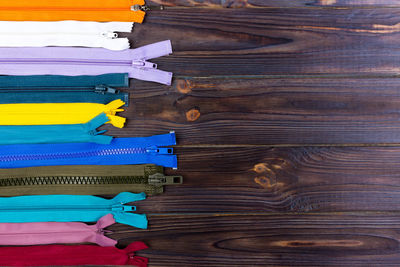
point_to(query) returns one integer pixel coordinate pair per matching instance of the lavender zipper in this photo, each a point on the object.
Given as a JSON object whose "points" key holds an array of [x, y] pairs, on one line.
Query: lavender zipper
{"points": [[86, 61]]}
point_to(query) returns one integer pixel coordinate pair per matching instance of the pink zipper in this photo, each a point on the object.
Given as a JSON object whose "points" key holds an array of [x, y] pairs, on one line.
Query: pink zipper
{"points": [[40, 233]]}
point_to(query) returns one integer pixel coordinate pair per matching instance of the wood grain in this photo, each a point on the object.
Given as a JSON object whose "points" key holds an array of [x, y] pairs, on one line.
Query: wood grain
{"points": [[275, 41], [267, 111], [276, 239], [304, 179], [275, 105]]}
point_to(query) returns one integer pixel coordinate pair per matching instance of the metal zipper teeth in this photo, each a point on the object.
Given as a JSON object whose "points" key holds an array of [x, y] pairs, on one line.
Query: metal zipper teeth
{"points": [[72, 180], [53, 156]]}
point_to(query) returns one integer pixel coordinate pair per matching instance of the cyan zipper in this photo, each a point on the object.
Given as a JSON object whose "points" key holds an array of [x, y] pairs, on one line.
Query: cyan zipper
{"points": [[64, 208]]}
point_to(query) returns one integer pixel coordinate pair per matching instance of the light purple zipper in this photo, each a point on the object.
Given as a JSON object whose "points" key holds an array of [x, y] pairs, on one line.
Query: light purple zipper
{"points": [[86, 61]]}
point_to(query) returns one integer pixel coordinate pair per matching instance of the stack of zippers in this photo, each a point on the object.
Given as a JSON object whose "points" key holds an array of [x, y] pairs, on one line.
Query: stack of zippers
{"points": [[63, 64]]}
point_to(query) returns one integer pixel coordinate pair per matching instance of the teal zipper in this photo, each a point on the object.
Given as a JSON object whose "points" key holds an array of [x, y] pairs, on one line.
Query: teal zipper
{"points": [[60, 81], [63, 89], [99, 94]]}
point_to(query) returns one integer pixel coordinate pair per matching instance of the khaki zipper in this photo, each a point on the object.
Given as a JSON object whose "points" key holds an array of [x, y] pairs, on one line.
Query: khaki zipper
{"points": [[85, 180]]}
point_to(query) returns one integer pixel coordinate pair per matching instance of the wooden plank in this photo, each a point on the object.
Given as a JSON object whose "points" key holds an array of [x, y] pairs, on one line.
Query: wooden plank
{"points": [[269, 111], [273, 3], [275, 41], [269, 240], [304, 179]]}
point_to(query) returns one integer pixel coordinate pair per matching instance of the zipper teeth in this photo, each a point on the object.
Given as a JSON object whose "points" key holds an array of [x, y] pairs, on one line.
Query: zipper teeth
{"points": [[72, 180], [64, 61], [57, 90], [54, 156], [55, 8]]}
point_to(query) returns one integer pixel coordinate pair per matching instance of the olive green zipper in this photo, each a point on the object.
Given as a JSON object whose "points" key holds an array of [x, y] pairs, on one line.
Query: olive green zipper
{"points": [[85, 180]]}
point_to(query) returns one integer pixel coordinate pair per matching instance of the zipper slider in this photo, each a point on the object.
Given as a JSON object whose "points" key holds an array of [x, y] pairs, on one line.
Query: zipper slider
{"points": [[102, 89], [144, 64], [160, 150], [110, 35], [160, 178], [122, 208], [146, 8]]}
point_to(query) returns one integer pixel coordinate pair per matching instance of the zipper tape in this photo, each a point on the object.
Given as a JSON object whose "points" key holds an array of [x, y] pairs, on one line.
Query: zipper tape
{"points": [[86, 61], [85, 180], [40, 233], [101, 96], [71, 208], [45, 134], [59, 113], [61, 81], [82, 10], [75, 255], [121, 151], [64, 33]]}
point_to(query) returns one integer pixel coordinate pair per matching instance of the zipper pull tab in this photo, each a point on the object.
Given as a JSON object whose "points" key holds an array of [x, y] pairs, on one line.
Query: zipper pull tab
{"points": [[122, 208], [146, 8], [110, 35], [160, 178], [160, 150], [102, 89], [144, 64], [95, 132]]}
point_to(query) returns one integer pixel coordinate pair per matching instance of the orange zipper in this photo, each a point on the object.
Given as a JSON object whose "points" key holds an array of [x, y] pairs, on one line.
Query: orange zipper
{"points": [[83, 10]]}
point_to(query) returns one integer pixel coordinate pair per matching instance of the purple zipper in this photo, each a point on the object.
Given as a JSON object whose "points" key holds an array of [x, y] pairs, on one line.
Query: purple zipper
{"points": [[86, 61]]}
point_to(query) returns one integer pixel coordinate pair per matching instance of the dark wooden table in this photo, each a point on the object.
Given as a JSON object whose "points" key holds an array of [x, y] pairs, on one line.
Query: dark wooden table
{"points": [[288, 119]]}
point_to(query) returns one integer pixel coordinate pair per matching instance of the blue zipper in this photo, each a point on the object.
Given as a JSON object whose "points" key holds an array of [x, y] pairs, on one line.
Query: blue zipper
{"points": [[121, 151]]}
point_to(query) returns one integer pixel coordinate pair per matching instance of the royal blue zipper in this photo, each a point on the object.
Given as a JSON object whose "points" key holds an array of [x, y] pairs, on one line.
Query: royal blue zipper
{"points": [[121, 151]]}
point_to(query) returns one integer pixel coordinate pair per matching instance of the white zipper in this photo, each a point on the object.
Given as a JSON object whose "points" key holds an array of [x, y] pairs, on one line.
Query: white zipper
{"points": [[64, 33]]}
